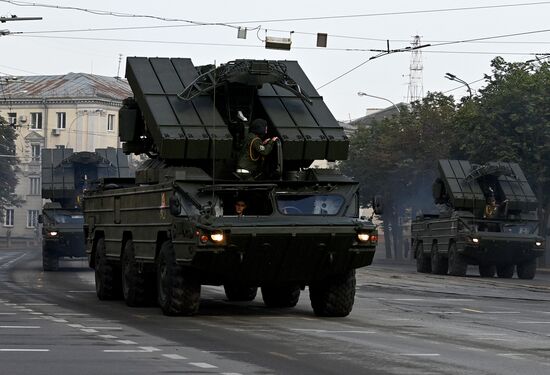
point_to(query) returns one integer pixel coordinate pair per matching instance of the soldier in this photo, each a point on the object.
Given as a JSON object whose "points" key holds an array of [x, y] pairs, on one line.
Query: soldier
{"points": [[254, 150], [240, 206]]}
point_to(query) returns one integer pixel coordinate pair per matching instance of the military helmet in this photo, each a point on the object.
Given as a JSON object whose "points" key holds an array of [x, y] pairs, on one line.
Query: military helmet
{"points": [[258, 126]]}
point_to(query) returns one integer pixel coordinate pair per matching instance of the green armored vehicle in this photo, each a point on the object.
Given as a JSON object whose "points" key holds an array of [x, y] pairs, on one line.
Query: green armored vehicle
{"points": [[193, 216], [65, 175], [488, 218]]}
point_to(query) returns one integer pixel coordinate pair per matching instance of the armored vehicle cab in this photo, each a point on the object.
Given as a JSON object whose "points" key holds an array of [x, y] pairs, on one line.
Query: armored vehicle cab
{"points": [[191, 218], [65, 175], [488, 218]]}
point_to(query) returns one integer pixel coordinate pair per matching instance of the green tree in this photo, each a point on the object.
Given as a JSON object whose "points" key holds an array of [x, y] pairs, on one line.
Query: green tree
{"points": [[511, 122], [8, 167], [397, 158]]}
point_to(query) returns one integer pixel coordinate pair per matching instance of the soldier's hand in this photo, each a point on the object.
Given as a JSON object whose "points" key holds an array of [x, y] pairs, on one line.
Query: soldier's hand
{"points": [[275, 139]]}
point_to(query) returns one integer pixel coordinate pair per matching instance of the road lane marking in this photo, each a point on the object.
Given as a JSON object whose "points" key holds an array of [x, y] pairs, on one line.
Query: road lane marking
{"points": [[456, 299], [420, 354], [532, 322], [7, 313], [107, 328], [69, 314], [202, 365], [409, 299], [75, 325], [88, 330], [124, 351], [127, 342], [23, 350], [150, 349], [20, 327], [327, 331], [444, 312], [174, 356], [472, 310]]}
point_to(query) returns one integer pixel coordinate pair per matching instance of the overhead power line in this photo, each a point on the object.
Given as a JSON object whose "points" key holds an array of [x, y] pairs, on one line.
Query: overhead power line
{"points": [[295, 19]]}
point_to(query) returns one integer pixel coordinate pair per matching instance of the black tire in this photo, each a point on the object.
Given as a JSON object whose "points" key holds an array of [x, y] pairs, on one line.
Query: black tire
{"points": [[176, 294], [505, 271], [487, 270], [235, 292], [281, 296], [527, 270], [138, 287], [457, 264], [49, 261], [107, 276], [439, 263], [333, 297], [423, 263]]}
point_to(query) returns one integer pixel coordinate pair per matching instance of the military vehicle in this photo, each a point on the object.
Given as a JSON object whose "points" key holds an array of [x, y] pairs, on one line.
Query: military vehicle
{"points": [[159, 237], [65, 175], [488, 218]]}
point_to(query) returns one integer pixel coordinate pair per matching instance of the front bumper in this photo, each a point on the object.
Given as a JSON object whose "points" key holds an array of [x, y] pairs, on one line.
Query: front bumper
{"points": [[502, 248]]}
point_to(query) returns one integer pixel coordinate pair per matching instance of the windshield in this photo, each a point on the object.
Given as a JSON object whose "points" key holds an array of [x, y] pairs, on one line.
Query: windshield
{"points": [[68, 218], [523, 228], [301, 204]]}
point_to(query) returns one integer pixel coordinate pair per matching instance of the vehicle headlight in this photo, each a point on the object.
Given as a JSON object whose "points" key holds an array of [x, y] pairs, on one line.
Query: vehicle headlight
{"points": [[217, 236], [538, 243], [363, 237], [475, 240], [53, 233]]}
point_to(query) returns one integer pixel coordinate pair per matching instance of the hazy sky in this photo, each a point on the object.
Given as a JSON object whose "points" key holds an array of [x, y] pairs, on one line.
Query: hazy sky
{"points": [[363, 26]]}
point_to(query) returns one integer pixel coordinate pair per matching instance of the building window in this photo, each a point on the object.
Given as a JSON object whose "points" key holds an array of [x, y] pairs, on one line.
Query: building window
{"points": [[36, 120], [32, 218], [34, 183], [12, 118], [61, 120], [9, 217], [110, 123], [35, 152]]}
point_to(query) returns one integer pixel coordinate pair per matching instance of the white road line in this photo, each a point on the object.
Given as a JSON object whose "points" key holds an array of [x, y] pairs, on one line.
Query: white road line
{"points": [[532, 322], [37, 313], [75, 325], [409, 299], [60, 320], [202, 365], [107, 328], [10, 313], [421, 354], [24, 350], [443, 312], [70, 314], [127, 342], [472, 310], [174, 356], [456, 299], [124, 351], [88, 330], [327, 331], [149, 349], [20, 327]]}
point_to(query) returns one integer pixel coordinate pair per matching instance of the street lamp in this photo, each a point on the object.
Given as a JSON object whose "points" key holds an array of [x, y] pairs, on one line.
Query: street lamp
{"points": [[360, 93], [452, 77]]}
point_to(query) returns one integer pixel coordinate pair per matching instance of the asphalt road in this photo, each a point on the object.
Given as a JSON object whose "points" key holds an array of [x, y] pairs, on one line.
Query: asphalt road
{"points": [[402, 323]]}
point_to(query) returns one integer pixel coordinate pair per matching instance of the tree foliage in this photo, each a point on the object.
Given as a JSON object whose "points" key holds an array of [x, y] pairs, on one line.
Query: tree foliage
{"points": [[509, 120], [8, 167]]}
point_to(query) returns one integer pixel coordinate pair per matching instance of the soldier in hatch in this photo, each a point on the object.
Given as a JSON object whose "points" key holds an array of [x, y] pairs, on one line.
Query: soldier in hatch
{"points": [[254, 150]]}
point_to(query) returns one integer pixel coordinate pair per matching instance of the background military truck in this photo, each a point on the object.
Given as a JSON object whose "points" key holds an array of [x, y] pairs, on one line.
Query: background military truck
{"points": [[65, 174], [160, 236], [468, 231]]}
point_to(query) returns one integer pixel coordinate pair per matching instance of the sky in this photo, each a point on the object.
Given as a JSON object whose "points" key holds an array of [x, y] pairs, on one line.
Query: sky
{"points": [[68, 40]]}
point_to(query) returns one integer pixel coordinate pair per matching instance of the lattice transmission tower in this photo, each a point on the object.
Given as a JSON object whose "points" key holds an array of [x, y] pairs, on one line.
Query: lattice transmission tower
{"points": [[416, 87]]}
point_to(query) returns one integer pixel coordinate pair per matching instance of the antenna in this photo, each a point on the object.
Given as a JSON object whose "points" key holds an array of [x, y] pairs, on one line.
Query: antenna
{"points": [[416, 87], [118, 69]]}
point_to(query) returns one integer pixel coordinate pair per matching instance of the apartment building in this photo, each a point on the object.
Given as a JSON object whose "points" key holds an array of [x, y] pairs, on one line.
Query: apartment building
{"points": [[76, 110]]}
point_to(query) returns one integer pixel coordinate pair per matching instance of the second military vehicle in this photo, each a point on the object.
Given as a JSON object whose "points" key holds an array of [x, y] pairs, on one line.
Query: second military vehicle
{"points": [[65, 175], [180, 223], [488, 218]]}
